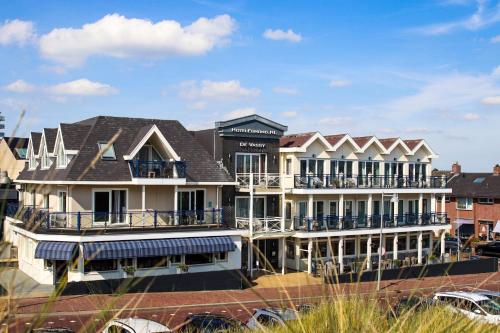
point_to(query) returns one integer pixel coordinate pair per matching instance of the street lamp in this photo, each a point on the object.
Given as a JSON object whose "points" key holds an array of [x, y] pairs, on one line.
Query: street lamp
{"points": [[394, 198]]}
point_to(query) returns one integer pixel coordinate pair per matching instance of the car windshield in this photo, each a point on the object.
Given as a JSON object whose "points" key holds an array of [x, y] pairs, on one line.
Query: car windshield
{"points": [[490, 306]]}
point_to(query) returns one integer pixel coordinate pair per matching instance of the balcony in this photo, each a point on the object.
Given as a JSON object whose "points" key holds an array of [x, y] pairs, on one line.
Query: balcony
{"points": [[322, 181], [260, 225], [158, 169], [336, 223], [39, 220], [259, 180]]}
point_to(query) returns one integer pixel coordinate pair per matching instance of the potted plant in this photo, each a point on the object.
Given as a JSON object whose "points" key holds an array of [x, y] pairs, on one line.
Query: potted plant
{"points": [[396, 263], [129, 270], [182, 268]]}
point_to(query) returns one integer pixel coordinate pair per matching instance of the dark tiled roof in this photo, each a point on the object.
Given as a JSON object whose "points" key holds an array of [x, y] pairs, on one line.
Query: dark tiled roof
{"points": [[73, 135], [295, 140], [36, 137], [463, 184], [201, 167], [50, 138], [16, 143]]}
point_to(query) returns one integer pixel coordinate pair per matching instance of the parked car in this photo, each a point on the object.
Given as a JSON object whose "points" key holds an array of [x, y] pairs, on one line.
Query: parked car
{"points": [[473, 305], [210, 323], [411, 303], [135, 325], [270, 317], [490, 249], [493, 295]]}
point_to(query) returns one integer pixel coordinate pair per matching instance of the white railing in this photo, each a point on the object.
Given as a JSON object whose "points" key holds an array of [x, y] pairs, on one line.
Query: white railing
{"points": [[260, 225], [266, 180]]}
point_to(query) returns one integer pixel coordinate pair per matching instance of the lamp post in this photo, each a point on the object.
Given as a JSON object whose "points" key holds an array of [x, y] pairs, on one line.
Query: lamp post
{"points": [[394, 198]]}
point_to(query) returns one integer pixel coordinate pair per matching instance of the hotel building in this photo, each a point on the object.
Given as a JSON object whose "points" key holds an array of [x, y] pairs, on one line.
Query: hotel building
{"points": [[109, 197]]}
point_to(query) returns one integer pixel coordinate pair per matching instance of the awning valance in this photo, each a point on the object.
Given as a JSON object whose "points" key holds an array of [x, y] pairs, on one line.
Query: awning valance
{"points": [[55, 250], [157, 247]]}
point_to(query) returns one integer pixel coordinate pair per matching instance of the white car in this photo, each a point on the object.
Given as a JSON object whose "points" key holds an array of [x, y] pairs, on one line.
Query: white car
{"points": [[135, 325], [270, 317], [473, 305]]}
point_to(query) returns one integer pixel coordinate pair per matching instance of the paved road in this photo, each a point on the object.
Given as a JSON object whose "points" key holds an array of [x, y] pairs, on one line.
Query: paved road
{"points": [[89, 313]]}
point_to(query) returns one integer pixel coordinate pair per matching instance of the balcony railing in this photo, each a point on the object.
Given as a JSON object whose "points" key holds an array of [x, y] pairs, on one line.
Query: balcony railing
{"points": [[158, 169], [323, 181], [260, 225], [333, 223], [39, 219], [266, 180]]}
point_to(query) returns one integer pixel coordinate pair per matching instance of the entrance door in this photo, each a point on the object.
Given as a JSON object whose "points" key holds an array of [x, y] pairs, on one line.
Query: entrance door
{"points": [[267, 256], [110, 206]]}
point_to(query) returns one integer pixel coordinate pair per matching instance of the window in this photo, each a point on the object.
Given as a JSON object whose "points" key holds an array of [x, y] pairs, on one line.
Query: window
{"points": [[101, 265], [413, 242], [486, 201], [290, 250], [464, 203], [288, 210], [304, 250], [251, 163], [389, 244], [46, 162], [478, 180], [33, 198], [110, 206], [175, 259], [46, 201], [288, 168], [32, 159], [220, 256], [106, 150], [62, 159], [152, 262], [199, 259], [350, 247], [61, 196]]}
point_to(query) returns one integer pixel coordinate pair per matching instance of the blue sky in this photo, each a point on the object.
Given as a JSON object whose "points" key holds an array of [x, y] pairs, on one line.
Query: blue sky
{"points": [[415, 69]]}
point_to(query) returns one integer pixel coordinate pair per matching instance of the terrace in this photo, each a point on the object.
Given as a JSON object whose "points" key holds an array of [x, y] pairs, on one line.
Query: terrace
{"points": [[157, 169], [334, 223], [323, 181], [40, 220]]}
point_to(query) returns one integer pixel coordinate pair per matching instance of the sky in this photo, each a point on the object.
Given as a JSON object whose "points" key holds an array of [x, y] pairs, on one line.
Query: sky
{"points": [[410, 69]]}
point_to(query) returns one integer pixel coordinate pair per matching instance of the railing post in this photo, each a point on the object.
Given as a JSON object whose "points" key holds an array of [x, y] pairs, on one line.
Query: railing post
{"points": [[78, 221], [155, 218], [213, 215], [48, 221], [221, 219], [130, 219]]}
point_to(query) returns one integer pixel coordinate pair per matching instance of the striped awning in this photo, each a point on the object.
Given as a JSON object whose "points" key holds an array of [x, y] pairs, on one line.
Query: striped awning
{"points": [[55, 250], [157, 247]]}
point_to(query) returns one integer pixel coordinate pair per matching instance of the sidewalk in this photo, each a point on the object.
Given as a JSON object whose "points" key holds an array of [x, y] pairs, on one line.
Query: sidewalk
{"points": [[17, 284]]}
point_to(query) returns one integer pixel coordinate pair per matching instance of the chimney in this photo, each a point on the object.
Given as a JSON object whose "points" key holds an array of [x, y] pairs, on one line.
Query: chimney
{"points": [[456, 168], [496, 170]]}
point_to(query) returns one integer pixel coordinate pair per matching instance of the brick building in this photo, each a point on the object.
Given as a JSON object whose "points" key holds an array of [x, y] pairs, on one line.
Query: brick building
{"points": [[474, 202]]}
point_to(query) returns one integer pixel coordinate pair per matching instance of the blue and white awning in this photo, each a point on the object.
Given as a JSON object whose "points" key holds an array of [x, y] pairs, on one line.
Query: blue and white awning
{"points": [[55, 250], [157, 247]]}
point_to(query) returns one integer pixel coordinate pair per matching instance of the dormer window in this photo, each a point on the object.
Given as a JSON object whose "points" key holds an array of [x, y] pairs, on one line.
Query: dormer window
{"points": [[107, 151], [32, 160], [62, 159], [45, 160]]}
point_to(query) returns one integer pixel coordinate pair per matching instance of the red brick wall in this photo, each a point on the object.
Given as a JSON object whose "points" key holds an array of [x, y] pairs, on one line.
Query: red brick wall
{"points": [[478, 212]]}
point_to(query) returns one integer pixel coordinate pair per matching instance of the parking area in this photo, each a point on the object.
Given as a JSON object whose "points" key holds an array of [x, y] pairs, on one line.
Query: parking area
{"points": [[87, 313]]}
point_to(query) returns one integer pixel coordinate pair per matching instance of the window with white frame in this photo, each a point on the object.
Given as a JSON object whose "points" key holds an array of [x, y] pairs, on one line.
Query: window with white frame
{"points": [[32, 159], [486, 201], [288, 167], [62, 196], [464, 203], [62, 159], [46, 201], [45, 159], [106, 150]]}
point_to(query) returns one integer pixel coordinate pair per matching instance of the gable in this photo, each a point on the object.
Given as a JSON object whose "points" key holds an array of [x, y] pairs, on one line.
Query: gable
{"points": [[251, 127]]}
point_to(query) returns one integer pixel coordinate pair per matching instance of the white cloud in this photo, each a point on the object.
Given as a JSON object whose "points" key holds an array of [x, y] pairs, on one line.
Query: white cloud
{"points": [[289, 114], [339, 83], [496, 39], [285, 90], [492, 100], [279, 34], [216, 90], [117, 36], [471, 116], [82, 87], [242, 112], [17, 32], [448, 92], [332, 121], [482, 17], [20, 86]]}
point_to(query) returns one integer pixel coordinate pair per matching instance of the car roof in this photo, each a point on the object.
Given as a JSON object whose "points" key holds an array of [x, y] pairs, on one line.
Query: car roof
{"points": [[142, 325], [476, 297], [487, 292]]}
